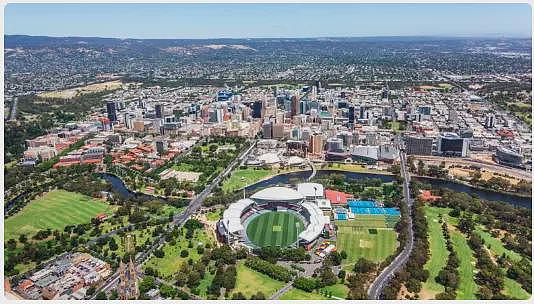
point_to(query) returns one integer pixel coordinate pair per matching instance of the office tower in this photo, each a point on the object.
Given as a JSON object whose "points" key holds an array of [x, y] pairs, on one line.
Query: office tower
{"points": [[159, 110], [294, 105], [418, 145], [351, 114], [490, 121], [316, 144], [450, 144], [267, 130], [278, 131], [334, 144], [112, 111], [425, 110], [257, 109]]}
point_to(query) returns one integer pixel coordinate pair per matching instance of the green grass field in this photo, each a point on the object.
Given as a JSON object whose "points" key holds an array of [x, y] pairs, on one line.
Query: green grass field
{"points": [[249, 282], [338, 290], [372, 243], [54, 210], [467, 287], [274, 229], [171, 262], [371, 221], [297, 294], [438, 249], [242, 177], [496, 245], [514, 290]]}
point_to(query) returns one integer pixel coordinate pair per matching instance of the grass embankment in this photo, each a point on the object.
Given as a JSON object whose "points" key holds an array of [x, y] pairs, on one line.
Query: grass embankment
{"points": [[249, 282]]}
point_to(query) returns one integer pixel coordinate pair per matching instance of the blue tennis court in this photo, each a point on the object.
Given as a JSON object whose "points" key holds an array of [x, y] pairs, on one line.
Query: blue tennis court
{"points": [[388, 211], [341, 216], [361, 204]]}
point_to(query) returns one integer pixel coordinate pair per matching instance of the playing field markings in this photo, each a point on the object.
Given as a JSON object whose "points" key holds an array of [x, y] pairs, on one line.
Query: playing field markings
{"points": [[270, 237], [274, 235], [280, 234], [287, 231]]}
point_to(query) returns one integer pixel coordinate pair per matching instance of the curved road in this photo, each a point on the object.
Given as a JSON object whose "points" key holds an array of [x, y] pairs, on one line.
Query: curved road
{"points": [[375, 290]]}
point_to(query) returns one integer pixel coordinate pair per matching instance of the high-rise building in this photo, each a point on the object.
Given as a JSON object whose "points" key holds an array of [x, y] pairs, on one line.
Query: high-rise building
{"points": [[267, 129], [257, 109], [453, 115], [161, 146], [425, 110], [450, 144], [334, 144], [351, 114], [294, 105], [418, 145], [112, 111], [278, 131], [490, 121], [316, 144], [159, 110]]}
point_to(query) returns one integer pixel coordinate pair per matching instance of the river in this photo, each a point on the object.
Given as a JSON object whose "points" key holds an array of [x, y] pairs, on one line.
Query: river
{"points": [[284, 178]]}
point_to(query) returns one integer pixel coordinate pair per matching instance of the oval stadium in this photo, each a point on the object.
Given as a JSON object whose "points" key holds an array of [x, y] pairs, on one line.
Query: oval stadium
{"points": [[275, 216]]}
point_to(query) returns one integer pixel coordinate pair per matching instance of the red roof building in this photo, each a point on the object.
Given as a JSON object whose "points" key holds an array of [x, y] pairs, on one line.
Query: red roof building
{"points": [[337, 197], [427, 196]]}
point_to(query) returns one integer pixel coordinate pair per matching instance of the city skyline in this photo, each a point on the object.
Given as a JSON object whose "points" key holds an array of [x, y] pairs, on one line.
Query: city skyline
{"points": [[214, 21]]}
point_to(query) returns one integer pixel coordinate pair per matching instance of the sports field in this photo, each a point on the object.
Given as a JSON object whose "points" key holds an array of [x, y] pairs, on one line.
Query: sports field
{"points": [[249, 282], [370, 239], [54, 210], [274, 229], [438, 250]]}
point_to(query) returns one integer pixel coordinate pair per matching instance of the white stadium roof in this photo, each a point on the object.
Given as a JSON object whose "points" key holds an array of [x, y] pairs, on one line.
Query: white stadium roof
{"points": [[232, 215], [311, 189], [277, 194]]}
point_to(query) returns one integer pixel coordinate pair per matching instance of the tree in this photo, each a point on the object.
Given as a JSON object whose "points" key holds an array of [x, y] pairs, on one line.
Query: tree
{"points": [[238, 296], [11, 244], [23, 238], [364, 266], [184, 253], [159, 253], [90, 291], [146, 284], [101, 296], [167, 291]]}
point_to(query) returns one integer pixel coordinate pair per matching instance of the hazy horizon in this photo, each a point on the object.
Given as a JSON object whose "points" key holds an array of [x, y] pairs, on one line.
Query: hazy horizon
{"points": [[268, 21]]}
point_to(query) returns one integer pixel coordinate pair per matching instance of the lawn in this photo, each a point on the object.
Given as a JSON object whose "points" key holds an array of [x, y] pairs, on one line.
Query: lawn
{"points": [[249, 282], [467, 287], [370, 243], [353, 168], [338, 290], [54, 210], [274, 229], [297, 294], [438, 249], [214, 215], [205, 284], [242, 177], [514, 290], [171, 261], [496, 245]]}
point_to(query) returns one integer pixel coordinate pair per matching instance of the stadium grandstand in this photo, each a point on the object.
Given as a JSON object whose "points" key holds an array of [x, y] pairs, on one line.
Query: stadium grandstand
{"points": [[276, 216]]}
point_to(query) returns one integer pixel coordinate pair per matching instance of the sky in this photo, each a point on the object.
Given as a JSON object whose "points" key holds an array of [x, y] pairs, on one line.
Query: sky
{"points": [[256, 20]]}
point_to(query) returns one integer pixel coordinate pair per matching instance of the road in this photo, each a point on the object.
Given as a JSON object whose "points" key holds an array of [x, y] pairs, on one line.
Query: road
{"points": [[13, 110], [518, 173], [281, 291], [180, 219], [375, 290], [314, 171]]}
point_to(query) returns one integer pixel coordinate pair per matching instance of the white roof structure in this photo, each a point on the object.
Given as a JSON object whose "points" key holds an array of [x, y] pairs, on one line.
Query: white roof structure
{"points": [[277, 194], [317, 222], [269, 158], [295, 161], [311, 190], [232, 216]]}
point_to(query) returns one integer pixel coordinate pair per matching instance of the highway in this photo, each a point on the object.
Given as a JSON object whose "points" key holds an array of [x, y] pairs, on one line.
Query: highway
{"points": [[375, 290], [180, 219]]}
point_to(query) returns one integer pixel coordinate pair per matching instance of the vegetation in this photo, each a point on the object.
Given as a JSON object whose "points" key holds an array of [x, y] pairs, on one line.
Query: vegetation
{"points": [[272, 270]]}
